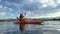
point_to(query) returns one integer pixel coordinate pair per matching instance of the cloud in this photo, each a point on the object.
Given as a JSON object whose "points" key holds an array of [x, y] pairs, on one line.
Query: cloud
{"points": [[2, 14], [55, 14], [31, 5], [1, 6], [34, 8], [5, 8], [11, 14], [10, 9], [48, 3], [58, 1]]}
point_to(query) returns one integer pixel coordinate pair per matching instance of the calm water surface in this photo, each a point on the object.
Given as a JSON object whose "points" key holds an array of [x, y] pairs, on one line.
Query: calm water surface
{"points": [[49, 27]]}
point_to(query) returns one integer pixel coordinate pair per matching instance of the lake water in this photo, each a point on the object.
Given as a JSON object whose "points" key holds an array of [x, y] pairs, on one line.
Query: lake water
{"points": [[49, 27]]}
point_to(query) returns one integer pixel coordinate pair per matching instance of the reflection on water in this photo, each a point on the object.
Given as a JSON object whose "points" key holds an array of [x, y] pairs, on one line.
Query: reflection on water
{"points": [[49, 27], [11, 28]]}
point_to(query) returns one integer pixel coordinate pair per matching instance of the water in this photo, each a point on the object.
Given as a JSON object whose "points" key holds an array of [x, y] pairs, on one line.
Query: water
{"points": [[49, 27]]}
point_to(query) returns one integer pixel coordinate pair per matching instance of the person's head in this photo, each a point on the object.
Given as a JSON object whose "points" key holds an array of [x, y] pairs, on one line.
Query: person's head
{"points": [[20, 14]]}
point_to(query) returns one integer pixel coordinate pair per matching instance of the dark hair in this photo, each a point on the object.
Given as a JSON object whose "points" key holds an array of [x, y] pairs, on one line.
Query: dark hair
{"points": [[20, 17]]}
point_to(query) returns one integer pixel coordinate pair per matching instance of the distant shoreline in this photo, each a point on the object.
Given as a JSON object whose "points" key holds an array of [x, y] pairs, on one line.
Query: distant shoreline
{"points": [[32, 19]]}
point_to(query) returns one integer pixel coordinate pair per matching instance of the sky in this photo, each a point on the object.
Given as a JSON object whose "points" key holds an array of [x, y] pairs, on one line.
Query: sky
{"points": [[10, 9]]}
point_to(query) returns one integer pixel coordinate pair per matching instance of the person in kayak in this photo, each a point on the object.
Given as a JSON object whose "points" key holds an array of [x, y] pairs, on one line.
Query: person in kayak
{"points": [[21, 25]]}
